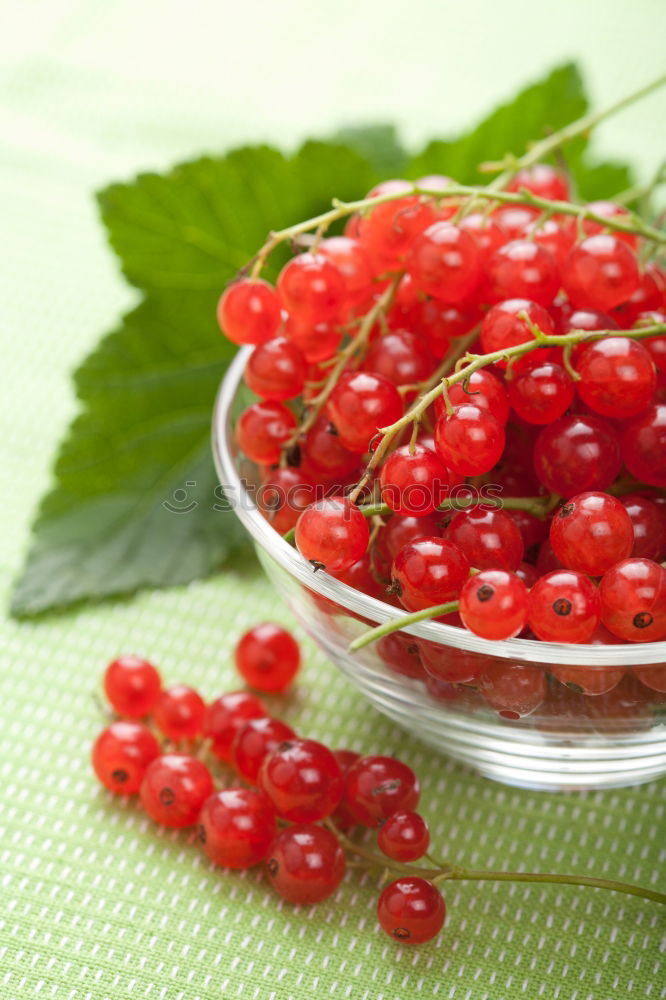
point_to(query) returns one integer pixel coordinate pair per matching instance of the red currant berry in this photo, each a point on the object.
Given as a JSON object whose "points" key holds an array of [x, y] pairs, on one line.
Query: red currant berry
{"points": [[656, 346], [482, 389], [648, 525], [428, 571], [352, 261], [440, 323], [225, 716], [263, 429], [388, 230], [414, 482], [445, 663], [359, 405], [121, 755], [360, 576], [542, 180], [404, 836], [401, 357], [647, 297], [276, 370], [644, 446], [591, 532], [591, 681], [376, 787], [528, 574], [325, 454], [493, 604], [522, 269], [249, 311], [283, 497], [542, 393], [179, 713], [236, 827], [411, 910], [584, 319], [305, 863], [174, 788], [633, 600], [490, 538], [332, 534], [303, 780], [254, 741], [515, 221], [576, 454], [400, 653], [316, 341], [486, 234], [513, 690], [268, 657], [398, 532], [132, 686], [609, 210], [311, 287], [470, 441], [564, 606], [503, 327], [555, 236], [653, 677], [617, 377], [600, 273], [444, 263]]}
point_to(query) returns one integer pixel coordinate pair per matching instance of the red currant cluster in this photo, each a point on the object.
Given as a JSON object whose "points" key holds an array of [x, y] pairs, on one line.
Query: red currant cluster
{"points": [[290, 785], [294, 801], [530, 498]]}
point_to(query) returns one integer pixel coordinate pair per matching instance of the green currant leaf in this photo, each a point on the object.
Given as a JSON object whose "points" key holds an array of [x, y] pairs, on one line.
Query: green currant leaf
{"points": [[136, 501], [380, 144]]}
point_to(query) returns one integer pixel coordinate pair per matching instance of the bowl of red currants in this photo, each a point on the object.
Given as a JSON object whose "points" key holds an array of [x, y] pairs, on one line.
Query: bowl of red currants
{"points": [[446, 435]]}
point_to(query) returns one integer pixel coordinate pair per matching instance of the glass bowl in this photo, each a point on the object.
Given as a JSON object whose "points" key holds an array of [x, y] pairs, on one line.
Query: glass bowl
{"points": [[561, 739]]}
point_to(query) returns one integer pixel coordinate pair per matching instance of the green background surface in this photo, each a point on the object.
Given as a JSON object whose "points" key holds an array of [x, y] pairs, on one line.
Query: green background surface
{"points": [[94, 901]]}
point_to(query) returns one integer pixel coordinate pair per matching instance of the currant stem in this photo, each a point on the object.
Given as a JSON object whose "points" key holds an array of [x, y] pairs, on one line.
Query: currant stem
{"points": [[395, 626]]}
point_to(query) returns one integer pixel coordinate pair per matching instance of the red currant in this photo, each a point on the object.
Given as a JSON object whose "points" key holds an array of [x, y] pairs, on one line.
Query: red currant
{"points": [[543, 181], [411, 910], [174, 788], [263, 429], [249, 311], [376, 787], [236, 827], [591, 532], [316, 341], [305, 863], [121, 755], [268, 657], [276, 370], [325, 454], [576, 454], [303, 780], [388, 230], [283, 497], [482, 389], [489, 538], [400, 653], [332, 534], [513, 690], [225, 716], [504, 327], [648, 525], [609, 210], [617, 377], [414, 482], [311, 287], [444, 262], [179, 712], [132, 686], [541, 393], [401, 357], [644, 446], [404, 836], [352, 261], [493, 604], [359, 405], [521, 269], [633, 600], [429, 571], [470, 441], [254, 741], [564, 606], [600, 273]]}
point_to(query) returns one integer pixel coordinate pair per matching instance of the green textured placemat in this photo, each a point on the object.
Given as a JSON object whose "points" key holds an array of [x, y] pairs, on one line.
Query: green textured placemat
{"points": [[94, 901]]}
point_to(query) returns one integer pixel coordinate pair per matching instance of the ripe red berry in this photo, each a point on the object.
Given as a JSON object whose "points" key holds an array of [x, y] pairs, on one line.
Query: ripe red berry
{"points": [[404, 836], [401, 357], [513, 690], [564, 606], [541, 393], [445, 663], [324, 453], [352, 261], [493, 604], [542, 180], [591, 532], [303, 780], [316, 341], [225, 716], [376, 787], [521, 269], [249, 311], [311, 287], [609, 210], [428, 571], [489, 537], [600, 273], [591, 681], [388, 230], [267, 657], [470, 441], [332, 534], [121, 755], [132, 686], [174, 788], [254, 741], [262, 429], [276, 370], [649, 527], [504, 327], [617, 377], [236, 827], [305, 863], [414, 482], [644, 446], [444, 263], [179, 712], [576, 454], [400, 653], [359, 405], [283, 497], [633, 600], [482, 389], [411, 910]]}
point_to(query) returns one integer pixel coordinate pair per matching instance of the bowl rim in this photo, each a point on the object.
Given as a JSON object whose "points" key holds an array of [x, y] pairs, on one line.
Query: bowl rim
{"points": [[288, 557]]}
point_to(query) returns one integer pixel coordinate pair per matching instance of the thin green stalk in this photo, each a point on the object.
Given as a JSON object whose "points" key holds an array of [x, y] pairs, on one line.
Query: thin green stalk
{"points": [[395, 626]]}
